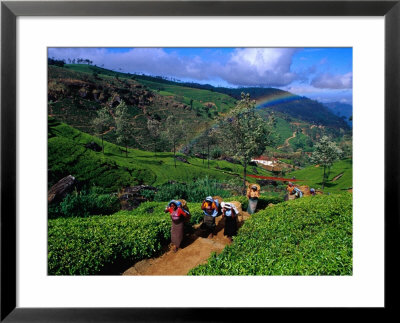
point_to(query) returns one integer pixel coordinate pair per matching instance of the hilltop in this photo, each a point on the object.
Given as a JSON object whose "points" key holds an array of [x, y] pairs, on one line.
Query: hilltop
{"points": [[77, 91], [342, 110], [295, 106]]}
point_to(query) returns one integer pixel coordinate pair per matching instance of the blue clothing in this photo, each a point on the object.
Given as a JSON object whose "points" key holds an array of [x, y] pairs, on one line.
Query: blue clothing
{"points": [[298, 192], [177, 203], [214, 214]]}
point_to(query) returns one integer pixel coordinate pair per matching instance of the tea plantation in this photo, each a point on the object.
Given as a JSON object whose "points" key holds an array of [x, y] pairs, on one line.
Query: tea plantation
{"points": [[67, 155], [308, 236], [84, 246]]}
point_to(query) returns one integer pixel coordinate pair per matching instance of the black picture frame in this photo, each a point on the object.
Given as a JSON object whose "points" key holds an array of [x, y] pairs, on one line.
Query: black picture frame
{"points": [[10, 10]]}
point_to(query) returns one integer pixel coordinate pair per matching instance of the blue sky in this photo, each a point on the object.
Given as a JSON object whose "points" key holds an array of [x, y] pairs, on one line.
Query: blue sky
{"points": [[323, 74]]}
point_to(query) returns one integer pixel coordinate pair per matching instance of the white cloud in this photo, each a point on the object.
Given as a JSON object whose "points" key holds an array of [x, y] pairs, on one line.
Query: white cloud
{"points": [[245, 67], [320, 94], [260, 66], [329, 81]]}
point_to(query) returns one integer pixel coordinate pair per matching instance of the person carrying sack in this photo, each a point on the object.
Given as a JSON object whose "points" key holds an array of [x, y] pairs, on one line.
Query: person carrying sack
{"points": [[297, 193], [293, 190], [253, 193], [178, 219], [210, 209], [229, 213]]}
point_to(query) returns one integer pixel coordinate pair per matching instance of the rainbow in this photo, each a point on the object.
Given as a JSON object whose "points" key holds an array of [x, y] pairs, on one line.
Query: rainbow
{"points": [[262, 102], [271, 100], [195, 139]]}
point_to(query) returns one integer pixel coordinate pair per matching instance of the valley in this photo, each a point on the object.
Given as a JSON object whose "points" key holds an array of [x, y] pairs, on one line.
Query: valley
{"points": [[133, 142]]}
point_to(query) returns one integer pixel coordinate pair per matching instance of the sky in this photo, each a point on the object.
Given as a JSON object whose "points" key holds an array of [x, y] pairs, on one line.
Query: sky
{"points": [[322, 74]]}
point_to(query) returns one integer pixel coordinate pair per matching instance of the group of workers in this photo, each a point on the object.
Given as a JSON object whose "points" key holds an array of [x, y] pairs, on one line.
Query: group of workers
{"points": [[212, 208]]}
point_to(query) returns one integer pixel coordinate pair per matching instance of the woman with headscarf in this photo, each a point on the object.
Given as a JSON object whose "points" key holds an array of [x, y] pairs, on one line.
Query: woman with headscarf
{"points": [[229, 213], [293, 191], [210, 208], [253, 193], [178, 219]]}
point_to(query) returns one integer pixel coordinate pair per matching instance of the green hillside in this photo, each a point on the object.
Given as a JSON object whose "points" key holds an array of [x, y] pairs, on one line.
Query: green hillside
{"points": [[202, 99], [312, 176], [77, 91], [308, 236], [285, 102], [67, 155]]}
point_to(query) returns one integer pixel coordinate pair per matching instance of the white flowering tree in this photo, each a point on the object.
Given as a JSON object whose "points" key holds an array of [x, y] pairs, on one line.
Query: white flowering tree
{"points": [[246, 133], [325, 154]]}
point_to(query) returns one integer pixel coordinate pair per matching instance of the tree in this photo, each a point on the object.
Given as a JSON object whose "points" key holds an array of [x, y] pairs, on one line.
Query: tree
{"points": [[325, 154], [102, 123], [123, 127], [246, 134], [153, 126], [206, 142], [211, 140], [174, 132]]}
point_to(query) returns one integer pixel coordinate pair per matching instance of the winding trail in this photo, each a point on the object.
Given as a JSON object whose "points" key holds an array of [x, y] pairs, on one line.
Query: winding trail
{"points": [[196, 249], [287, 141]]}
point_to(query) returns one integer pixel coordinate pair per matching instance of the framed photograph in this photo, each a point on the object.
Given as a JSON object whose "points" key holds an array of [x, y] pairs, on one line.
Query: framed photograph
{"points": [[74, 72]]}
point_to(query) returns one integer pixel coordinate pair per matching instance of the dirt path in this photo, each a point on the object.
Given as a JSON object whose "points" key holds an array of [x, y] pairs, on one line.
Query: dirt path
{"points": [[107, 131], [196, 249], [337, 177], [287, 141]]}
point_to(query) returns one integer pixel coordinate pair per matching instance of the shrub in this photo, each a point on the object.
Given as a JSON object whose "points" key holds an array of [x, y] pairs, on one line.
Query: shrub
{"points": [[85, 246], [262, 203], [191, 192], [216, 153], [308, 236], [85, 203]]}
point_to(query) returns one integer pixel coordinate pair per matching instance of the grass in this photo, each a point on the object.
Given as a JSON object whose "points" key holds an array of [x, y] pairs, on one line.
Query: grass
{"points": [[312, 176], [283, 130], [113, 170]]}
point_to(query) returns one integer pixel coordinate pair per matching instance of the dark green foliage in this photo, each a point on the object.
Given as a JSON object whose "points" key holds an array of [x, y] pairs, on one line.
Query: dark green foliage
{"points": [[85, 203], [262, 203], [195, 191], [84, 246], [56, 62], [310, 111], [308, 236], [216, 153], [67, 155], [302, 142]]}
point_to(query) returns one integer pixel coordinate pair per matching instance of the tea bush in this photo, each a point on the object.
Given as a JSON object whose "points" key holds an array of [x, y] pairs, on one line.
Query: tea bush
{"points": [[195, 191], [308, 236], [85, 203], [262, 203], [84, 246]]}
